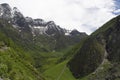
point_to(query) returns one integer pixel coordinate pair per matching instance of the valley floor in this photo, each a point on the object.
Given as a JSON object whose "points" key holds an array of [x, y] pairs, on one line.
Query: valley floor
{"points": [[59, 72]]}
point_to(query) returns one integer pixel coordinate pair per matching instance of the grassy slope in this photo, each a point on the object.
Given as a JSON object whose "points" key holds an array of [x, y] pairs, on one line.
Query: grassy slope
{"points": [[53, 72], [25, 57], [15, 62], [59, 72], [87, 58], [110, 69], [55, 67], [104, 70], [12, 66]]}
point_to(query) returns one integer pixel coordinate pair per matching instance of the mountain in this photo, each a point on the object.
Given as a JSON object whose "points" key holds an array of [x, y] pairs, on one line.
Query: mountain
{"points": [[36, 28], [5, 11], [30, 47], [98, 56]]}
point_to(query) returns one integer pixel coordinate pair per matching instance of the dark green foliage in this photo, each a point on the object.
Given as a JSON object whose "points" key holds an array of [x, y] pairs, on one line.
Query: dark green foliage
{"points": [[110, 33], [3, 69], [71, 51], [63, 41], [102, 45], [57, 42], [87, 59]]}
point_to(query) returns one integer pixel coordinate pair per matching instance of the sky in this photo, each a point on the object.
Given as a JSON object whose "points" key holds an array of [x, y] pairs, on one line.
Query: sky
{"points": [[83, 15]]}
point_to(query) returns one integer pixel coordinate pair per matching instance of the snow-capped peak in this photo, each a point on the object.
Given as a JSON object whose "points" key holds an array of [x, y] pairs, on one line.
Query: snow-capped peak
{"points": [[16, 12], [15, 9], [37, 26], [28, 19], [1, 11], [6, 6], [5, 11]]}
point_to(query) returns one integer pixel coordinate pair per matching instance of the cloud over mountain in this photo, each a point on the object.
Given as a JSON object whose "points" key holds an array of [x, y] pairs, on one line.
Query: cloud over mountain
{"points": [[83, 15]]}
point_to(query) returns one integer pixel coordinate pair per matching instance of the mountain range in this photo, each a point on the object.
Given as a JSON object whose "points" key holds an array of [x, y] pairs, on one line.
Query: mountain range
{"points": [[39, 27]]}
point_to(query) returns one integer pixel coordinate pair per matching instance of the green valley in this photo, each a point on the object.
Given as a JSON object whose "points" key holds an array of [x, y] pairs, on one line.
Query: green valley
{"points": [[34, 49]]}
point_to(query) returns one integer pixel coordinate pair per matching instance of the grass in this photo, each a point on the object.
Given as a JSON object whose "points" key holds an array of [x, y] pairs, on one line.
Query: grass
{"points": [[15, 68], [59, 72]]}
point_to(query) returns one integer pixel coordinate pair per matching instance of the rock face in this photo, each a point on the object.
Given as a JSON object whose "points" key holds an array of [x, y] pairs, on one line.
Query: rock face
{"points": [[98, 52]]}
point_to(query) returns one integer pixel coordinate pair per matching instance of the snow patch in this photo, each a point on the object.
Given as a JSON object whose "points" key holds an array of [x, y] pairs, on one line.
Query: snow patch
{"points": [[67, 32], [40, 29], [9, 21], [28, 19], [15, 26]]}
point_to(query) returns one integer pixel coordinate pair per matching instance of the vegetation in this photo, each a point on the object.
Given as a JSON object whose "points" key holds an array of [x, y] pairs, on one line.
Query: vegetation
{"points": [[43, 57], [23, 57], [15, 62], [59, 72], [90, 57], [98, 57]]}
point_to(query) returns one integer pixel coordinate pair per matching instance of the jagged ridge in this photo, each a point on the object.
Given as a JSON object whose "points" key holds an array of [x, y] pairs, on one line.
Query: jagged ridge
{"points": [[38, 26]]}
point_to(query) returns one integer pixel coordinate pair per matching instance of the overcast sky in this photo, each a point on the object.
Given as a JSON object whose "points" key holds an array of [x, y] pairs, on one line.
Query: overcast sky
{"points": [[83, 15]]}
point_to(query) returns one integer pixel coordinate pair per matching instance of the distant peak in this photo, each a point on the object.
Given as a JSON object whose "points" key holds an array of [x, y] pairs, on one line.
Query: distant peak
{"points": [[38, 19], [51, 22], [16, 9], [4, 4], [75, 30]]}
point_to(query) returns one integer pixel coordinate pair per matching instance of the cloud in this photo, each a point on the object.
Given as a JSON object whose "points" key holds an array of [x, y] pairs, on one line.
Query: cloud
{"points": [[84, 15]]}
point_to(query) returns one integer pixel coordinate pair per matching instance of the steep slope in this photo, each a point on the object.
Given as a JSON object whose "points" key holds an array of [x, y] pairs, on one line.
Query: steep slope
{"points": [[15, 62], [59, 72], [99, 56]]}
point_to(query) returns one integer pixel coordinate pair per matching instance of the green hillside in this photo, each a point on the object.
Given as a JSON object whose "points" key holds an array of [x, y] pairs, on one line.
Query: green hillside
{"points": [[15, 62], [24, 57], [98, 58]]}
